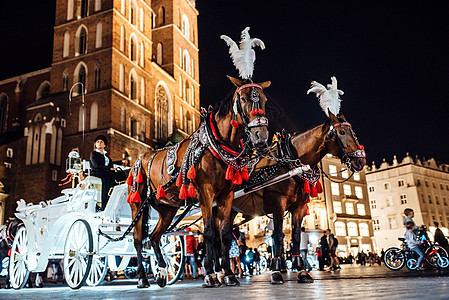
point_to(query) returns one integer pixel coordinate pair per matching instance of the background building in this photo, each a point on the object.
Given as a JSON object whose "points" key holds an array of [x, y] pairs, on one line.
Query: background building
{"points": [[133, 67], [422, 185]]}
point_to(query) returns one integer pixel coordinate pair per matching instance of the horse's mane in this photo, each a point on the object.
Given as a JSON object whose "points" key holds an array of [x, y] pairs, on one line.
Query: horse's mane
{"points": [[225, 105]]}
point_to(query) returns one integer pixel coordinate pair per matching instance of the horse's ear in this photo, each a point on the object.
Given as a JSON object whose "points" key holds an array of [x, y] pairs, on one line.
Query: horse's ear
{"points": [[342, 117], [265, 84], [237, 82], [332, 117]]}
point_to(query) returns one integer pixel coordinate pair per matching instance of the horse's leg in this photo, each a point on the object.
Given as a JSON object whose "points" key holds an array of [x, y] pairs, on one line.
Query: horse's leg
{"points": [[297, 262], [278, 239], [138, 238], [166, 215], [224, 214], [217, 248]]}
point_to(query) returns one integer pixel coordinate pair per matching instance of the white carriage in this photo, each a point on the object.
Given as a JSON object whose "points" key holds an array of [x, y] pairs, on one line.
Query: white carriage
{"points": [[68, 228]]}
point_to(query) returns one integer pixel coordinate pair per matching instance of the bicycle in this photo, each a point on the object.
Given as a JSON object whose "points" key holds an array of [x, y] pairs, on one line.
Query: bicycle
{"points": [[434, 255]]}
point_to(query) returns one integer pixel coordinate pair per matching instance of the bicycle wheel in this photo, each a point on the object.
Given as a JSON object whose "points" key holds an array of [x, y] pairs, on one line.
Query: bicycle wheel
{"points": [[394, 258], [443, 262], [434, 259], [412, 264]]}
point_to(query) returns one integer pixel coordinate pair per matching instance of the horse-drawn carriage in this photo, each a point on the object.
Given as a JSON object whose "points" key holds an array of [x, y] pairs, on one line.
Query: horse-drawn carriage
{"points": [[71, 228]]}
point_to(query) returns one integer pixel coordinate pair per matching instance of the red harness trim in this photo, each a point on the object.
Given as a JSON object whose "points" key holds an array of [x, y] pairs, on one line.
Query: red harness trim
{"points": [[341, 124], [227, 149], [248, 86]]}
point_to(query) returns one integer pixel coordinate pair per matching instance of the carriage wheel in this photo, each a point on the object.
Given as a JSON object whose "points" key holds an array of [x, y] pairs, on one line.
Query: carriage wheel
{"points": [[263, 264], [77, 254], [18, 269], [98, 270], [172, 247]]}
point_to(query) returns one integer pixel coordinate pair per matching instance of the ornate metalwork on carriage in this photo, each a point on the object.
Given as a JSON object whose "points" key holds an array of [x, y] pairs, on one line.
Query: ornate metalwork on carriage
{"points": [[252, 164], [264, 174]]}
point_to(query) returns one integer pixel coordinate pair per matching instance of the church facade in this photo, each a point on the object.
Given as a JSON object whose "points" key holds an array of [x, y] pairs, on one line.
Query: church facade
{"points": [[127, 69]]}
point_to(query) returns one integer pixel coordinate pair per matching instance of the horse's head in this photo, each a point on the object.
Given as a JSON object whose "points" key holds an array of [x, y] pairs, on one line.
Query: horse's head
{"points": [[342, 142], [249, 103]]}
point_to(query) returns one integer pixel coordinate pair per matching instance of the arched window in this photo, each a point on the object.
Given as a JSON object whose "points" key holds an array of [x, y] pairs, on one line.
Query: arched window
{"points": [[122, 39], [187, 92], [82, 118], [340, 229], [142, 91], [133, 48], [132, 11], [122, 7], [99, 35], [159, 54], [122, 119], [363, 229], [59, 147], [142, 130], [80, 76], [186, 61], [133, 85], [161, 16], [97, 5], [352, 229], [65, 80], [122, 78], [189, 125], [142, 20], [43, 90], [42, 144], [29, 131], [36, 144], [65, 50], [69, 9], [185, 28], [94, 116], [97, 77], [142, 54], [3, 112], [161, 113], [84, 7], [81, 41], [180, 86], [53, 144]]}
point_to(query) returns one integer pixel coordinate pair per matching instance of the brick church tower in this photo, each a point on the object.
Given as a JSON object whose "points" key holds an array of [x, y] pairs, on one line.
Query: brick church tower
{"points": [[127, 69]]}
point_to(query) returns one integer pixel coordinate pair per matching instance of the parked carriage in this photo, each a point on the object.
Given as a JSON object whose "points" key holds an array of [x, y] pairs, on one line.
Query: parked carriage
{"points": [[70, 228]]}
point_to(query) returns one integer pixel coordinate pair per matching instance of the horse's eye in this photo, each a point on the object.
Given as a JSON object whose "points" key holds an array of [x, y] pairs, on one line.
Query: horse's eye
{"points": [[342, 132]]}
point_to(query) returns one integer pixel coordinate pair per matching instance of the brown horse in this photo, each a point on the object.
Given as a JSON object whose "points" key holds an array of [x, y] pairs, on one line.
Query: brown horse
{"points": [[334, 136], [213, 160]]}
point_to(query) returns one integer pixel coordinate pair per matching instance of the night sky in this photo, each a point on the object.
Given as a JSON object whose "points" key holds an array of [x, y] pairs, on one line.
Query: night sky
{"points": [[391, 60]]}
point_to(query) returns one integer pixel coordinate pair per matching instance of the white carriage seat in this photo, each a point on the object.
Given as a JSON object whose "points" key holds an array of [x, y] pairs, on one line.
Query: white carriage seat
{"points": [[117, 208], [60, 199]]}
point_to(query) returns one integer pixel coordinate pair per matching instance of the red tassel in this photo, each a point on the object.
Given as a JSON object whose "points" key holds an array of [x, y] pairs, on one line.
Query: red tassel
{"points": [[229, 173], [237, 178], [308, 199], [139, 178], [129, 180], [244, 173], [313, 191], [361, 147], [254, 112], [306, 187], [307, 211], [261, 112], [234, 123], [134, 197], [191, 192], [160, 192], [179, 180], [191, 174], [319, 187], [183, 193]]}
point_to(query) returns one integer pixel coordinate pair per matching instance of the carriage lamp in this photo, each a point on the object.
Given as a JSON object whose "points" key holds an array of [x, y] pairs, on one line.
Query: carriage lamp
{"points": [[73, 163]]}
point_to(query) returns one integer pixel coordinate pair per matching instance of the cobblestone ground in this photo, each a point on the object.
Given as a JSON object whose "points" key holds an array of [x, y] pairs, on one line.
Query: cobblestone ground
{"points": [[352, 282]]}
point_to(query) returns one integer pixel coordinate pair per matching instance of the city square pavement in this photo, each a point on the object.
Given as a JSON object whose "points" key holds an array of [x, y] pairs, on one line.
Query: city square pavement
{"points": [[352, 282]]}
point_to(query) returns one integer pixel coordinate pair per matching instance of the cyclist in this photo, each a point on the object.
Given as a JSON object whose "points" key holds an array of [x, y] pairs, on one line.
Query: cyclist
{"points": [[413, 242]]}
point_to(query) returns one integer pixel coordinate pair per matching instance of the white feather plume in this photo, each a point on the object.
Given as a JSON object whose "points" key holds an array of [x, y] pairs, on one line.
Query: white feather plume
{"points": [[243, 56], [329, 97]]}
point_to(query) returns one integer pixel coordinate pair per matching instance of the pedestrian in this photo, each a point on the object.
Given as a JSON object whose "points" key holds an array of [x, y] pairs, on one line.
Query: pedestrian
{"points": [[333, 243], [243, 248], [304, 248], [250, 260], [413, 242], [102, 167], [324, 249], [439, 237], [234, 253], [190, 252], [200, 253]]}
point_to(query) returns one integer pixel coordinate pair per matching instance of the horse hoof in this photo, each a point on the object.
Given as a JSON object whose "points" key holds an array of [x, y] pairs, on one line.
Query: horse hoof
{"points": [[231, 280], [209, 281], [161, 282], [304, 277], [142, 283], [276, 278]]}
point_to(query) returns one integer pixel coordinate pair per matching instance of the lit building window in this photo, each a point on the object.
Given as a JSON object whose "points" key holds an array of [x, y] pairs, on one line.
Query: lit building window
{"points": [[332, 170], [400, 183], [345, 173], [361, 209], [373, 203], [392, 222], [363, 229], [359, 192], [403, 198], [340, 229], [371, 189], [347, 189], [185, 28], [335, 188], [349, 208], [337, 207], [352, 229], [356, 176], [389, 201]]}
